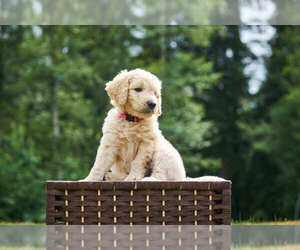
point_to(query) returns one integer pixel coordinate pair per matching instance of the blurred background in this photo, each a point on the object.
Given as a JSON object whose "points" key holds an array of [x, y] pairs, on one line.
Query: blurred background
{"points": [[231, 99]]}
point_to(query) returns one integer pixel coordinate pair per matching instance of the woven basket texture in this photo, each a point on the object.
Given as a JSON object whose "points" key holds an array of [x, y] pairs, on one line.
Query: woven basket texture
{"points": [[138, 203]]}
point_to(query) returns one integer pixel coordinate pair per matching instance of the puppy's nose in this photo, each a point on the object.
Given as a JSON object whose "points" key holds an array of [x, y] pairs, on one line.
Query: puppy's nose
{"points": [[151, 104]]}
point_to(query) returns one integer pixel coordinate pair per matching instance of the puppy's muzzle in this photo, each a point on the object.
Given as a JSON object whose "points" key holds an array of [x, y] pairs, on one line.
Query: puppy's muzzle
{"points": [[151, 104]]}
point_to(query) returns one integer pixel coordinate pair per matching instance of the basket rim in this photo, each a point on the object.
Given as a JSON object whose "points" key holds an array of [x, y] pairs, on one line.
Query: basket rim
{"points": [[139, 184]]}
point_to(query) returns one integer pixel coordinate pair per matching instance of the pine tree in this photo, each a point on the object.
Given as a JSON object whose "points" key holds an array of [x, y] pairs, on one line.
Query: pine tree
{"points": [[224, 107], [277, 128]]}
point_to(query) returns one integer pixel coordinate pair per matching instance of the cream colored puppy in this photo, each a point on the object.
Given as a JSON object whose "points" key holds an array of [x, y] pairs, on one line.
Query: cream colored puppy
{"points": [[132, 143]]}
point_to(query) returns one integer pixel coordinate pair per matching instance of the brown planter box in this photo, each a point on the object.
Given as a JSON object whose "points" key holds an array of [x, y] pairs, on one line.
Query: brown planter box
{"points": [[138, 203]]}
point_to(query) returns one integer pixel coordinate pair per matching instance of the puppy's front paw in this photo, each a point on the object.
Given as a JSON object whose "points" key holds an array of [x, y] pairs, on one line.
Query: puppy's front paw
{"points": [[108, 176], [112, 176], [130, 178], [85, 179], [133, 177], [149, 179], [90, 179]]}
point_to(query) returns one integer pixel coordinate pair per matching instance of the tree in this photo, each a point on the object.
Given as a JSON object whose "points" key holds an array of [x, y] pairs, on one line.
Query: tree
{"points": [[224, 108], [276, 131]]}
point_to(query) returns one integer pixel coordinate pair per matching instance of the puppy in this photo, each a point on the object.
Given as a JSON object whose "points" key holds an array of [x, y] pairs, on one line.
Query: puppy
{"points": [[132, 143]]}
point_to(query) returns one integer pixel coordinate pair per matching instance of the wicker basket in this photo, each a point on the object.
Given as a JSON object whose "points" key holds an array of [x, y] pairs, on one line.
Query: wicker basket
{"points": [[138, 203]]}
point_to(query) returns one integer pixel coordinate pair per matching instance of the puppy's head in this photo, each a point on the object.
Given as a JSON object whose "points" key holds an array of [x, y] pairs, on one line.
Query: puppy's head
{"points": [[136, 92]]}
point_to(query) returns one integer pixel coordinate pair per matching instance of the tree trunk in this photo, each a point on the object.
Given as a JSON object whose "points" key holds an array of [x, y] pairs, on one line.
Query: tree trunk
{"points": [[163, 50], [163, 32], [19, 11], [3, 5], [163, 44], [2, 31], [223, 172], [53, 104]]}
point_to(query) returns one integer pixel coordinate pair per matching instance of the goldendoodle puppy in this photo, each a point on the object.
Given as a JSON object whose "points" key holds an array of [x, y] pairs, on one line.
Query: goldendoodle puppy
{"points": [[132, 143]]}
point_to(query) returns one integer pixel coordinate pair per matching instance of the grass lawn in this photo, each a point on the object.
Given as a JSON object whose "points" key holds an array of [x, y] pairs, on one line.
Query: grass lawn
{"points": [[20, 248], [286, 247], [268, 223], [3, 223]]}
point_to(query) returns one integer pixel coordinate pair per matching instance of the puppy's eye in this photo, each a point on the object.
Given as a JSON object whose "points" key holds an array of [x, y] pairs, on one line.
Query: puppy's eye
{"points": [[138, 89]]}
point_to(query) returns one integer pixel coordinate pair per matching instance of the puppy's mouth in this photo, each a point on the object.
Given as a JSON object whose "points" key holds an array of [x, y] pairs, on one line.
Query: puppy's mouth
{"points": [[142, 111], [147, 111]]}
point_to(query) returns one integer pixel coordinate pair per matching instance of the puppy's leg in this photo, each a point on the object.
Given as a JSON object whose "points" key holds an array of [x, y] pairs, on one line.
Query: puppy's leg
{"points": [[139, 165], [115, 175], [167, 165], [106, 155]]}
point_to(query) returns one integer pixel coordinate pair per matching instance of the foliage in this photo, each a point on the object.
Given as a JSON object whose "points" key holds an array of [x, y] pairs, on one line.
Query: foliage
{"points": [[53, 103], [223, 105], [23, 182], [274, 132]]}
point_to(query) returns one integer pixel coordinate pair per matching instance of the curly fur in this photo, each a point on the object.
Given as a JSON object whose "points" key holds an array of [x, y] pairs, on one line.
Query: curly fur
{"points": [[129, 149]]}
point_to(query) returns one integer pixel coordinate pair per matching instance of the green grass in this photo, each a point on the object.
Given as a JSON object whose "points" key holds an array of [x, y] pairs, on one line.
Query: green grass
{"points": [[3, 223], [21, 248], [286, 247], [263, 223]]}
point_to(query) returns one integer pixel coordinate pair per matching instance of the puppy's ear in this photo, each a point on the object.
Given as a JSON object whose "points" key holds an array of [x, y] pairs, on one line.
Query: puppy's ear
{"points": [[117, 89]]}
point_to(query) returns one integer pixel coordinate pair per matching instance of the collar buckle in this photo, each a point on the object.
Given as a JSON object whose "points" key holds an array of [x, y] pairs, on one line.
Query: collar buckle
{"points": [[130, 118]]}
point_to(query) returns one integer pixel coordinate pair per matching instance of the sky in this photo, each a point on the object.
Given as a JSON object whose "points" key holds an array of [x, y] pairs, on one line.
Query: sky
{"points": [[257, 38]]}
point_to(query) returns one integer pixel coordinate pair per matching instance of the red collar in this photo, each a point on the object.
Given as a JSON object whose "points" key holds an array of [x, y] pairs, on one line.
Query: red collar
{"points": [[130, 118]]}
